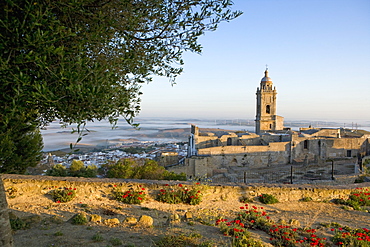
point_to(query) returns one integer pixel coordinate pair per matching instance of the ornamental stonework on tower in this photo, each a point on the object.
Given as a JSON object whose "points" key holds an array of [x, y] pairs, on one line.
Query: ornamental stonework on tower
{"points": [[266, 118]]}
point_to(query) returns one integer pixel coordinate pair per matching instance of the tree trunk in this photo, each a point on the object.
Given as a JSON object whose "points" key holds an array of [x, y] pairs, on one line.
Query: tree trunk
{"points": [[6, 238]]}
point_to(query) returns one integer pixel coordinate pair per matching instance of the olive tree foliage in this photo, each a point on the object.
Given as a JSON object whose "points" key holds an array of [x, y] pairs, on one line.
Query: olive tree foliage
{"points": [[80, 60], [84, 60]]}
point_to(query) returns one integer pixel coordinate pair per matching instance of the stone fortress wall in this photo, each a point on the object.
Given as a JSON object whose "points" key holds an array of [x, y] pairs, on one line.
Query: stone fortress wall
{"points": [[214, 152]]}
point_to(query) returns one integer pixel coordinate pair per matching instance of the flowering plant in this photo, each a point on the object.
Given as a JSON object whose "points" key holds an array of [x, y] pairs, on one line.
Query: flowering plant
{"points": [[130, 196], [63, 195], [268, 199], [351, 237], [357, 199], [180, 195], [256, 218]]}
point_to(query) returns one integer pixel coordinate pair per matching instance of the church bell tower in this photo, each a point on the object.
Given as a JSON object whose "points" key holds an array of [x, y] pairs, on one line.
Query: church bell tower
{"points": [[266, 118]]}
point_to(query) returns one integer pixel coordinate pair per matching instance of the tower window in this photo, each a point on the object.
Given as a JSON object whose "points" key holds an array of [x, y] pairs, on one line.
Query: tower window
{"points": [[229, 141], [305, 144], [268, 109], [349, 153]]}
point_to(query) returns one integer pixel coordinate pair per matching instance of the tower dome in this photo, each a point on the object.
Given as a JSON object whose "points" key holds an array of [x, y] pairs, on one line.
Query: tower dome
{"points": [[266, 78]]}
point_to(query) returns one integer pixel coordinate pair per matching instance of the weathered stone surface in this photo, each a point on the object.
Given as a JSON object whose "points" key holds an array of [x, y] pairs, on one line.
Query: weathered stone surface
{"points": [[294, 223], [130, 220], [145, 221], [173, 219], [6, 238], [188, 216], [95, 218], [113, 221], [26, 185]]}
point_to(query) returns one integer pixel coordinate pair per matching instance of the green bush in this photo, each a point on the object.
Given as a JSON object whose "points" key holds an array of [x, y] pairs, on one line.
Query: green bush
{"points": [[182, 240], [130, 196], [174, 176], [63, 195], [115, 241], [268, 199], [57, 170], [149, 170], [18, 224], [79, 219], [180, 195], [77, 169], [245, 199], [138, 169], [351, 237], [124, 168], [97, 237], [357, 199], [306, 199]]}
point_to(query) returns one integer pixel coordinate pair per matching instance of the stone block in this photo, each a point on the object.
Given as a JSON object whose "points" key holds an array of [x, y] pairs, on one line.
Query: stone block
{"points": [[131, 220], [113, 221], [145, 221], [95, 218]]}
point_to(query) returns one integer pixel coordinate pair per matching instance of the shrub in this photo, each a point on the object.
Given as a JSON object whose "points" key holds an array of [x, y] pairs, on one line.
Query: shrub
{"points": [[77, 169], [97, 237], [180, 195], [18, 224], [122, 169], [57, 170], [182, 240], [63, 195], [174, 176], [351, 237], [139, 169], [58, 233], [268, 199], [130, 196], [245, 199], [115, 241], [306, 199], [79, 219], [357, 199]]}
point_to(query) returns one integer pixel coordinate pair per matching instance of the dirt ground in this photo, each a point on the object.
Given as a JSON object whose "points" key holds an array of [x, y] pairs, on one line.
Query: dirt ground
{"points": [[49, 225]]}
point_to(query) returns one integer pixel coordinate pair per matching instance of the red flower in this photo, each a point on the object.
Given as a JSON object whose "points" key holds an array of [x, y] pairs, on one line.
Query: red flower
{"points": [[142, 188], [115, 185], [139, 198], [252, 221], [74, 189], [58, 201], [197, 183], [180, 185], [241, 207]]}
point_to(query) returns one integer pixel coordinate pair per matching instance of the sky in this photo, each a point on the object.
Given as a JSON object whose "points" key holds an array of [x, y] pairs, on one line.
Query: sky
{"points": [[318, 57]]}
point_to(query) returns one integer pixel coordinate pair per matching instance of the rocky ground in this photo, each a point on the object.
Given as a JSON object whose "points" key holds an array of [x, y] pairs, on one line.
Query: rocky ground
{"points": [[49, 222]]}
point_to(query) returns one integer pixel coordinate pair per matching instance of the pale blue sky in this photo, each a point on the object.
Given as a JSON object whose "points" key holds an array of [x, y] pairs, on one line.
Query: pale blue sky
{"points": [[318, 54]]}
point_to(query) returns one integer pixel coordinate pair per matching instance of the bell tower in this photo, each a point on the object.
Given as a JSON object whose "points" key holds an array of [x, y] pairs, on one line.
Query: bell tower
{"points": [[266, 118]]}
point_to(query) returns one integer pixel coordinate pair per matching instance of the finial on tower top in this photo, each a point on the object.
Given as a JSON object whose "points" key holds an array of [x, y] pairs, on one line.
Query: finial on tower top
{"points": [[266, 71]]}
